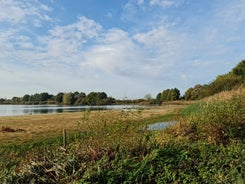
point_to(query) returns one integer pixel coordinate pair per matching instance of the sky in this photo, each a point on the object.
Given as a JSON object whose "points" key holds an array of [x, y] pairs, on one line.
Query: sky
{"points": [[126, 48]]}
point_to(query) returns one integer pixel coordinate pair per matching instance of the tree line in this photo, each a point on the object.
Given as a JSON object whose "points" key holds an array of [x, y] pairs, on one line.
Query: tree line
{"points": [[232, 80], [70, 98], [172, 94]]}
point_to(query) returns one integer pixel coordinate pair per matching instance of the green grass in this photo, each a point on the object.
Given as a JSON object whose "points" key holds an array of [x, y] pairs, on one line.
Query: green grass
{"points": [[205, 146]]}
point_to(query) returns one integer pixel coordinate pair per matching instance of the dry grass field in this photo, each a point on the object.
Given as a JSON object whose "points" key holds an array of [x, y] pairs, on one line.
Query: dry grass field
{"points": [[17, 129]]}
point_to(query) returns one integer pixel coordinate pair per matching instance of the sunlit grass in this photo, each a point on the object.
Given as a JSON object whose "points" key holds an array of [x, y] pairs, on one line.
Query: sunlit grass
{"points": [[205, 146]]}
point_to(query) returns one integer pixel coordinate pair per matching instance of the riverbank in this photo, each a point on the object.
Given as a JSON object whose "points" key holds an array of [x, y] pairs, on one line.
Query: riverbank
{"points": [[17, 129]]}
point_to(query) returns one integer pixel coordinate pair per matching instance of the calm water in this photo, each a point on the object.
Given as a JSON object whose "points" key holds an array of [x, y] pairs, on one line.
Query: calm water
{"points": [[16, 110], [160, 125]]}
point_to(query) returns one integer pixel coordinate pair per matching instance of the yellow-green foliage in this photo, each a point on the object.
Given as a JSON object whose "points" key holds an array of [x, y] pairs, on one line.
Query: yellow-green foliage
{"points": [[227, 82], [218, 119]]}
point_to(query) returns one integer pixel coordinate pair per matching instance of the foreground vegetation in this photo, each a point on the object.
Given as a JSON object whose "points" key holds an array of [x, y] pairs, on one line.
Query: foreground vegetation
{"points": [[206, 145]]}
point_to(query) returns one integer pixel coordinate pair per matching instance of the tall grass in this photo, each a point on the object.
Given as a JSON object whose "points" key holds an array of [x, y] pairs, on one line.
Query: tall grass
{"points": [[205, 146], [217, 121]]}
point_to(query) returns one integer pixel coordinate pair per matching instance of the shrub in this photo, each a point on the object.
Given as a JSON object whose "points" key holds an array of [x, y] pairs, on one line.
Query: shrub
{"points": [[217, 120]]}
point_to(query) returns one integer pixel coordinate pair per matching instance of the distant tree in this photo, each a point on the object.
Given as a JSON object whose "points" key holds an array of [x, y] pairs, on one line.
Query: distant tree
{"points": [[75, 95], [101, 95], [174, 94], [96, 98], [59, 98], [188, 94], [158, 98], [91, 98], [26, 98], [36, 97], [196, 92], [110, 101], [16, 100], [165, 95], [148, 96], [2, 100], [170, 94], [81, 99], [68, 98], [43, 97]]}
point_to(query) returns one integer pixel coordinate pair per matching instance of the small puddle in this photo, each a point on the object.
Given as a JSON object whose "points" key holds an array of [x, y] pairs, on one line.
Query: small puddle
{"points": [[160, 125]]}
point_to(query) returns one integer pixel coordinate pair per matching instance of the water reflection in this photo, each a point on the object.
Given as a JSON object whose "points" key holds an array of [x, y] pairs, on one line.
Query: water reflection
{"points": [[160, 125], [13, 110]]}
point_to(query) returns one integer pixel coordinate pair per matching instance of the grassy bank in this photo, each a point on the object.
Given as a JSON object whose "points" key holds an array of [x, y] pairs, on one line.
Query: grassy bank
{"points": [[205, 146]]}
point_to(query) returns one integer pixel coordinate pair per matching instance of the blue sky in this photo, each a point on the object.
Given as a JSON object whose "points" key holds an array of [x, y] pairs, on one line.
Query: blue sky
{"points": [[122, 47]]}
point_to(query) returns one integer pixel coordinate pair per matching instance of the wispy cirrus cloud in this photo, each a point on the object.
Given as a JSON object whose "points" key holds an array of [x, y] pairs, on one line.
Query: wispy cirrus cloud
{"points": [[22, 12], [232, 13], [66, 42], [162, 3]]}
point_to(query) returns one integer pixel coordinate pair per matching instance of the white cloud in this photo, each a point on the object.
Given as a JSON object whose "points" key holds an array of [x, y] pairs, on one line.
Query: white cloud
{"points": [[232, 13], [146, 55], [162, 3], [19, 12], [65, 43], [140, 2], [115, 52], [162, 45], [159, 37], [46, 60]]}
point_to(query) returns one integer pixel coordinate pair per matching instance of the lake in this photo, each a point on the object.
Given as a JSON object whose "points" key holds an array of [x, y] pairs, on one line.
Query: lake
{"points": [[16, 110]]}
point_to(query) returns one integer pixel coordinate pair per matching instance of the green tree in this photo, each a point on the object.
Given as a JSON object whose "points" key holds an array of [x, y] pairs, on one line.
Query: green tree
{"points": [[16, 100], [91, 98], [96, 98], [26, 98], [239, 69], [159, 98], [59, 98], [174, 94], [81, 99], [225, 82], [101, 95], [43, 97], [165, 95], [170, 94], [68, 98]]}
